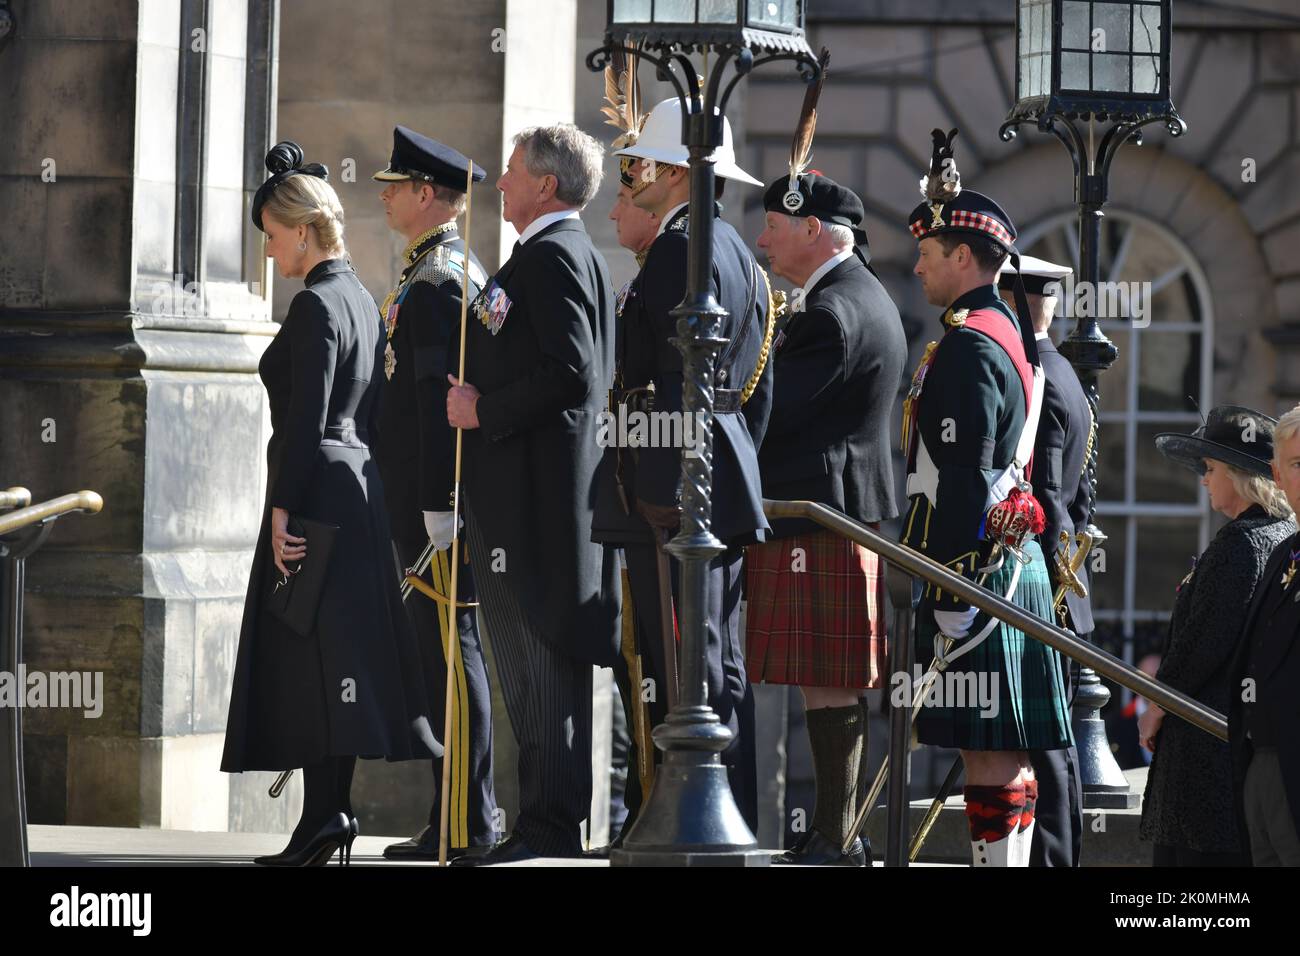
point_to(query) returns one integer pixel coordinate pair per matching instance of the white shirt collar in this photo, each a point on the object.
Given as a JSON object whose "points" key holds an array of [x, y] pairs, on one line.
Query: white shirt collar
{"points": [[820, 272], [672, 214], [544, 220]]}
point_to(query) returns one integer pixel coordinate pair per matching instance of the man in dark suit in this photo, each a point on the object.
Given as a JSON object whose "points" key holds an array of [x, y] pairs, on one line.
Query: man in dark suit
{"points": [[424, 195], [640, 487], [1262, 712], [1060, 482], [814, 614], [539, 360]]}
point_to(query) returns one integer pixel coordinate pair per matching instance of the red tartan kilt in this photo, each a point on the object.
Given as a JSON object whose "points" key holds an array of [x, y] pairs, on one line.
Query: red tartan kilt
{"points": [[820, 625]]}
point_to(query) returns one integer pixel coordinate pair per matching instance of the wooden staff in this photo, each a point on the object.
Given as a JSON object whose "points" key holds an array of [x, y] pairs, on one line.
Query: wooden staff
{"points": [[453, 629]]}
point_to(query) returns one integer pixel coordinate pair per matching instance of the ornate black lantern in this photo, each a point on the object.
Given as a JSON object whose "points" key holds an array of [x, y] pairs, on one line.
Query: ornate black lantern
{"points": [[690, 816], [766, 25], [1089, 58], [1081, 64]]}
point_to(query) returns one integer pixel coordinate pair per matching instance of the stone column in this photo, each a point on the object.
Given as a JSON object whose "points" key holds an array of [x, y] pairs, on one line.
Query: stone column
{"points": [[133, 312]]}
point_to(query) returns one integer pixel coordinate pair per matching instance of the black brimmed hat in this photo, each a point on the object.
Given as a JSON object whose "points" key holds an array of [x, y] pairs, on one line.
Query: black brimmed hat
{"points": [[1239, 436], [416, 156], [284, 160]]}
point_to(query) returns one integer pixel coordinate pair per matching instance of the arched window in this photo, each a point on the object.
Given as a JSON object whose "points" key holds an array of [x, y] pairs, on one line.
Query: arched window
{"points": [[1155, 513]]}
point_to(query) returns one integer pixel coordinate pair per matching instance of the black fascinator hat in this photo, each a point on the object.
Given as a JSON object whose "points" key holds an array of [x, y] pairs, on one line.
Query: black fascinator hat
{"points": [[284, 160]]}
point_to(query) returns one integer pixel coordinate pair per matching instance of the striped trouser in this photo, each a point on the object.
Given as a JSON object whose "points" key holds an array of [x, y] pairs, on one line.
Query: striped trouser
{"points": [[548, 699]]}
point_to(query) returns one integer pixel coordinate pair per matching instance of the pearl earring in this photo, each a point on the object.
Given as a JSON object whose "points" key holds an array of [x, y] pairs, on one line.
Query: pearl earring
{"points": [[302, 247]]}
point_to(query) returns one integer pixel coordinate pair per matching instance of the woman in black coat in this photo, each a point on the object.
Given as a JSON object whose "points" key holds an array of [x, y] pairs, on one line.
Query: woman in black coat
{"points": [[1188, 809], [352, 687]]}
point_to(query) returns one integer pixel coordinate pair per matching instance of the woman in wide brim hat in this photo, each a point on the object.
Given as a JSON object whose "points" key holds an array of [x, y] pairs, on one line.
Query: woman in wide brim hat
{"points": [[1188, 810]]}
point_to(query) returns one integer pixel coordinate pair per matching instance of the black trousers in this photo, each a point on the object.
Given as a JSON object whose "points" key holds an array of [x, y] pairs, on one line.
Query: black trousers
{"points": [[472, 797], [729, 692], [548, 700], [1058, 816]]}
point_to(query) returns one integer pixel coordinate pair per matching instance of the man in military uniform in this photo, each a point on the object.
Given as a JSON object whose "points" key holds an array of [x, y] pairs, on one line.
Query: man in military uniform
{"points": [[969, 425], [640, 487], [637, 229], [1065, 433], [424, 195], [815, 617]]}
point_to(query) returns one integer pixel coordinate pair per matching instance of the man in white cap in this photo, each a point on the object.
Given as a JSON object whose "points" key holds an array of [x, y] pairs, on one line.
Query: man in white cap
{"points": [[646, 487], [1065, 433]]}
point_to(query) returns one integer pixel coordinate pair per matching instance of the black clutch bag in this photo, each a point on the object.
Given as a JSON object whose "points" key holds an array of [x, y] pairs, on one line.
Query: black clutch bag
{"points": [[296, 598]]}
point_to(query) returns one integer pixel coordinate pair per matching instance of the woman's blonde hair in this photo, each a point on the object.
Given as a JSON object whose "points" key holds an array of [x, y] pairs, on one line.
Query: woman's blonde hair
{"points": [[309, 201], [1259, 490]]}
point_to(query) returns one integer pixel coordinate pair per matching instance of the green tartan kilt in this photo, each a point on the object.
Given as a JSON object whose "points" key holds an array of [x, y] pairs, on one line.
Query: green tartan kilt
{"points": [[1026, 678]]}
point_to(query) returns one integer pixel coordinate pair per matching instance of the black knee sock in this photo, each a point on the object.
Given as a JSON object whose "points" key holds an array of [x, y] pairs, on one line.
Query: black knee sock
{"points": [[836, 735]]}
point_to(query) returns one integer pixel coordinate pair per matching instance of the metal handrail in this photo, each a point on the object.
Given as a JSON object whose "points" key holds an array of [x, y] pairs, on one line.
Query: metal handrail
{"points": [[87, 501], [16, 497], [1067, 642]]}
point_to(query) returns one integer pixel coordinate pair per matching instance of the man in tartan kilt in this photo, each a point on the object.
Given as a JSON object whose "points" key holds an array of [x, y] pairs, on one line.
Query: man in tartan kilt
{"points": [[969, 422], [814, 615]]}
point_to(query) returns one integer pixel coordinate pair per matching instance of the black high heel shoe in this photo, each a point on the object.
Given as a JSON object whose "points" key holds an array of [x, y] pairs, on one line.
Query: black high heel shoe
{"points": [[336, 834], [354, 831]]}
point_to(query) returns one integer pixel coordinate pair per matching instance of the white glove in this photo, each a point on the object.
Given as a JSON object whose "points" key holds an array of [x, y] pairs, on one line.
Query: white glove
{"points": [[438, 526], [955, 624]]}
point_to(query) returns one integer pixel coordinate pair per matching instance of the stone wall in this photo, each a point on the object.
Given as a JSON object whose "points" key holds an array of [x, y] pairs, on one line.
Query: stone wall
{"points": [[121, 169]]}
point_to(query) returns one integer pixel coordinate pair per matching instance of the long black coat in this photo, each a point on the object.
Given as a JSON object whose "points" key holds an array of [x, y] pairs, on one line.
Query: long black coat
{"points": [[529, 468], [1277, 675], [650, 356], [1188, 800], [1060, 478], [353, 687], [838, 366]]}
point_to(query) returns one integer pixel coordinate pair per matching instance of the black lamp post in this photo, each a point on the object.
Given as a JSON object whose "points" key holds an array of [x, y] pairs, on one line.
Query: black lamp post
{"points": [[1081, 64], [690, 817]]}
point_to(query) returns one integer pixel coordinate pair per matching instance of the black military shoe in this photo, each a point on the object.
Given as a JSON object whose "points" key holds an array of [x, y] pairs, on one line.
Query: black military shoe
{"points": [[816, 850], [510, 850], [423, 846]]}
